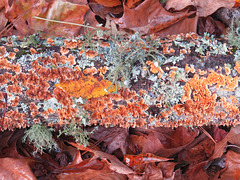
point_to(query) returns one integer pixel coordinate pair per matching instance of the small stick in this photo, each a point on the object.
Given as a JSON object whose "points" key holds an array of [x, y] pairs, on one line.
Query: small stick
{"points": [[5, 108]]}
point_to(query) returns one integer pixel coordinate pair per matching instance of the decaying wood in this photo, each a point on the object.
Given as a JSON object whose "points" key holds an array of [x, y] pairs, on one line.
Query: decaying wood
{"points": [[187, 80]]}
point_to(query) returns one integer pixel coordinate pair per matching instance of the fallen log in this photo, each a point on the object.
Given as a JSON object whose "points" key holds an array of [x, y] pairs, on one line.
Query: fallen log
{"points": [[133, 82]]}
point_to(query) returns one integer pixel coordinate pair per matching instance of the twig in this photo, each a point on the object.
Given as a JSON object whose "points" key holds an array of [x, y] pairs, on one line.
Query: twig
{"points": [[63, 22], [5, 108]]}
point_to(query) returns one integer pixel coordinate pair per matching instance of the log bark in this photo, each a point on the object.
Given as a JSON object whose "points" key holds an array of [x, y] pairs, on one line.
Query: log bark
{"points": [[180, 80]]}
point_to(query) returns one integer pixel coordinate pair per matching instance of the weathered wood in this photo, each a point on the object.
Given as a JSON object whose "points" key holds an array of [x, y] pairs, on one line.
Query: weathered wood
{"points": [[180, 80]]}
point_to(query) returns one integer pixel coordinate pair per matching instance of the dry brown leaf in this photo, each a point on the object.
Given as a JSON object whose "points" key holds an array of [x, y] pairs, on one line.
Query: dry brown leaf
{"points": [[114, 163], [233, 137], [181, 136], [113, 138], [55, 10], [103, 173], [205, 7], [150, 17], [17, 169], [152, 144], [233, 166], [3, 19]]}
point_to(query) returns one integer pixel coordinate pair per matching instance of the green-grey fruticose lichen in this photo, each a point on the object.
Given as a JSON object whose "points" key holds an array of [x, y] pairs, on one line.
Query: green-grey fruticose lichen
{"points": [[41, 137]]}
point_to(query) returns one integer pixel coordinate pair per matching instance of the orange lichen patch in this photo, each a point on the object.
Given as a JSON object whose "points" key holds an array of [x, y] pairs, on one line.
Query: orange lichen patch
{"points": [[62, 97], [14, 102], [2, 50], [14, 119], [183, 51], [104, 44], [215, 78], [155, 69], [90, 53], [237, 67], [227, 69], [167, 50], [231, 83], [14, 89], [4, 63], [189, 69], [33, 106], [16, 49], [102, 70], [33, 51], [71, 59], [50, 41], [233, 99], [91, 71], [202, 72], [11, 55], [64, 51], [70, 44], [66, 113], [172, 74], [88, 87]]}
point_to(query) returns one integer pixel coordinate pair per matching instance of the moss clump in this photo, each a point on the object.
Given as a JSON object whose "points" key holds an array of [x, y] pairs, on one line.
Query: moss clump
{"points": [[41, 137]]}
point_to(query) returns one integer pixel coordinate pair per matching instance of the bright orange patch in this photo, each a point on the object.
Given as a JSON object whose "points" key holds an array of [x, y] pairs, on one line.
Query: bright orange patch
{"points": [[87, 87]]}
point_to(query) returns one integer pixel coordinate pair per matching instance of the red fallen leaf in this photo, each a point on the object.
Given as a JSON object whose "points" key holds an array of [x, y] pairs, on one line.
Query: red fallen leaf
{"points": [[196, 172], [87, 87], [113, 138], [219, 134], [205, 7], [11, 168], [134, 160], [152, 144], [150, 17], [198, 153], [135, 144], [94, 169], [181, 136], [55, 10], [103, 7], [233, 137], [233, 166], [113, 163]]}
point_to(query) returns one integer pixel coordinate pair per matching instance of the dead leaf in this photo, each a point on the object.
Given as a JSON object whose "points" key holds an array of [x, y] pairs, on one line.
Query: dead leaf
{"points": [[55, 10], [233, 137], [135, 144], [181, 136], [233, 166], [113, 138], [204, 7], [3, 19], [152, 144], [114, 163], [219, 134], [150, 17], [136, 160], [196, 172], [101, 173], [87, 87], [200, 152], [11, 168], [102, 8]]}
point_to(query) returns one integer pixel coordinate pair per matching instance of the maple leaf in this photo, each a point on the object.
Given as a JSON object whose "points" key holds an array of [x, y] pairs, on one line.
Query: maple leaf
{"points": [[88, 87]]}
